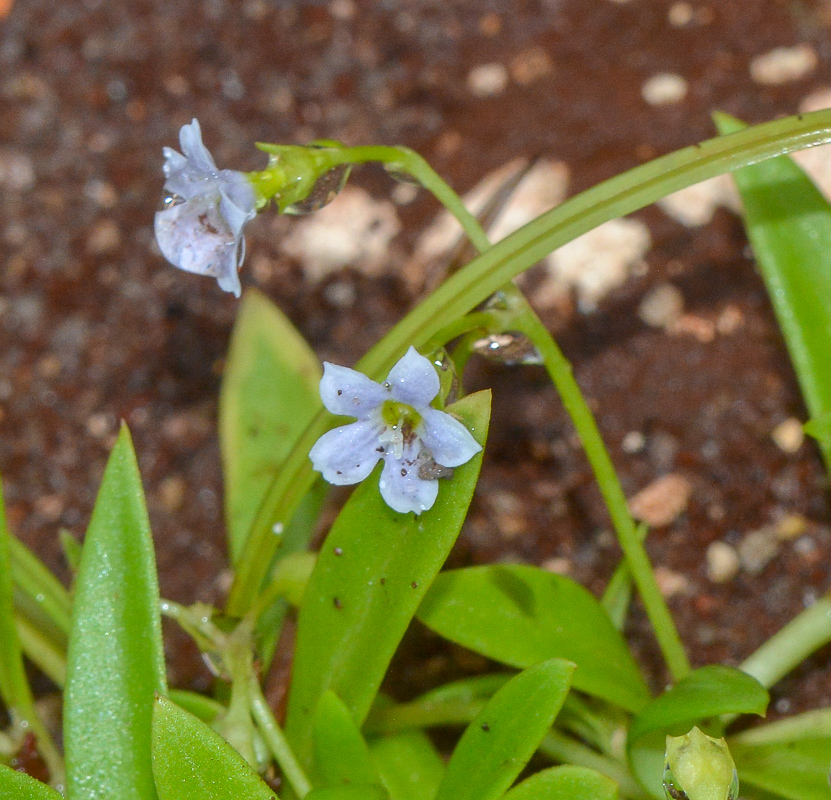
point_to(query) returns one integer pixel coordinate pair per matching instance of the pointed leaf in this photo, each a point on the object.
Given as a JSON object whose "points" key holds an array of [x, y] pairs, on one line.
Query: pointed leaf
{"points": [[788, 223], [371, 574], [705, 692], [341, 756], [269, 394], [565, 783], [16, 785], [794, 770], [116, 662], [498, 743], [520, 615], [193, 762], [409, 765]]}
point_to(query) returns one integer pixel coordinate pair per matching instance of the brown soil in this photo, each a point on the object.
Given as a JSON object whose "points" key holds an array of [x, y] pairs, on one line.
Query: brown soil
{"points": [[96, 327]]}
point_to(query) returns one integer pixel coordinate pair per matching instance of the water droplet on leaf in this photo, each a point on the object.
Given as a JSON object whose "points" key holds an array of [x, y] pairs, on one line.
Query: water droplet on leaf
{"points": [[508, 348]]}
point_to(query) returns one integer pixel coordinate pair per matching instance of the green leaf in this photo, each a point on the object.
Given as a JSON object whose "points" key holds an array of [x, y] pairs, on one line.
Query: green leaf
{"points": [[408, 764], [789, 757], [498, 743], [796, 770], [16, 785], [347, 793], [341, 756], [192, 762], [370, 577], [520, 615], [269, 394], [705, 692], [788, 223], [116, 661], [565, 783]]}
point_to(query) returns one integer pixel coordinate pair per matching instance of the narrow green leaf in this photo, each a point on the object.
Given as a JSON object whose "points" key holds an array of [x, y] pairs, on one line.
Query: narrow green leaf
{"points": [[705, 692], [347, 793], [192, 762], [14, 686], [16, 785], [788, 223], [408, 764], [341, 756], [520, 615], [269, 394], [795, 770], [565, 783], [116, 661], [201, 706], [498, 743], [370, 577]]}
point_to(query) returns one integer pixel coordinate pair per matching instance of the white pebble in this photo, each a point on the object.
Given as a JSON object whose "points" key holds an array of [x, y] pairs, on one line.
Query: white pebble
{"points": [[784, 64], [488, 80], [664, 88], [662, 501], [722, 562], [662, 306], [788, 435]]}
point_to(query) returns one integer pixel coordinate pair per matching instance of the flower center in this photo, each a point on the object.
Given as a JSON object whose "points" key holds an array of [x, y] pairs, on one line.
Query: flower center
{"points": [[400, 424]]}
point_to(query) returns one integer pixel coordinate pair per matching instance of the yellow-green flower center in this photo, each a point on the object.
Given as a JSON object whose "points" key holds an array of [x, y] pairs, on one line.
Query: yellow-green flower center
{"points": [[400, 424]]}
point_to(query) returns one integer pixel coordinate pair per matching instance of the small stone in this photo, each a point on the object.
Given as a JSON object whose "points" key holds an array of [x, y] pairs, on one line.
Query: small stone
{"points": [[100, 424], [729, 320], [634, 442], [104, 237], [488, 80], [662, 306], [664, 89], [680, 15], [788, 435], [172, 492], [790, 527], [530, 66], [17, 172], [757, 549], [670, 583], [784, 64], [50, 507], [692, 325], [662, 501], [722, 562], [559, 566]]}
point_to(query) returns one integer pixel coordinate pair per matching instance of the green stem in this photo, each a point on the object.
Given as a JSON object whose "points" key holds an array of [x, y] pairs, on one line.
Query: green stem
{"points": [[566, 750], [276, 741], [804, 634], [493, 269]]}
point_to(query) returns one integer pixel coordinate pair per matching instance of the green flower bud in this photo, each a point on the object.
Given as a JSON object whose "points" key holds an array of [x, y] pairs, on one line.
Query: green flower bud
{"points": [[699, 767]]}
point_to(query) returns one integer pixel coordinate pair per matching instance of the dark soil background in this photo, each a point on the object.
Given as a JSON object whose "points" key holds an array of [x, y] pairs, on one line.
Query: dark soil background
{"points": [[96, 327]]}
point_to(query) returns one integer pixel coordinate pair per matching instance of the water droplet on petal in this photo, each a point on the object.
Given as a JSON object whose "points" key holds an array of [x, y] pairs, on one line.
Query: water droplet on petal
{"points": [[325, 190], [171, 199]]}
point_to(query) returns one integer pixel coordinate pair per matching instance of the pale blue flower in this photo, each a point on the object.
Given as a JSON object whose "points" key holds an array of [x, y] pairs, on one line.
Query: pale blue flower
{"points": [[396, 424], [200, 228]]}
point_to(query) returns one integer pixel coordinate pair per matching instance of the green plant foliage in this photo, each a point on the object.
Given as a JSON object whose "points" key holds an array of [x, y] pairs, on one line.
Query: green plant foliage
{"points": [[408, 764], [116, 660], [789, 758], [788, 223], [347, 793], [269, 394], [565, 783], [192, 762], [16, 785], [370, 577], [520, 615], [498, 743], [341, 756], [705, 692]]}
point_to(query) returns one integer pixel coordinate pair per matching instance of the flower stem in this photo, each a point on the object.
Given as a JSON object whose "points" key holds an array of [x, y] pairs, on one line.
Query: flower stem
{"points": [[805, 633], [276, 740], [488, 272]]}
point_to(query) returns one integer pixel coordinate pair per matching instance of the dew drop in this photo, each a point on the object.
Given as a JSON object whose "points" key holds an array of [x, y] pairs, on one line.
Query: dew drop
{"points": [[325, 190], [508, 348], [171, 199], [277, 528]]}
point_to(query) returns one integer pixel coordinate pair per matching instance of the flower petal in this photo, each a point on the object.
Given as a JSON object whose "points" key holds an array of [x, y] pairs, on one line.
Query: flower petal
{"points": [[350, 393], [190, 138], [413, 380], [401, 487], [448, 440], [347, 454], [195, 237]]}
